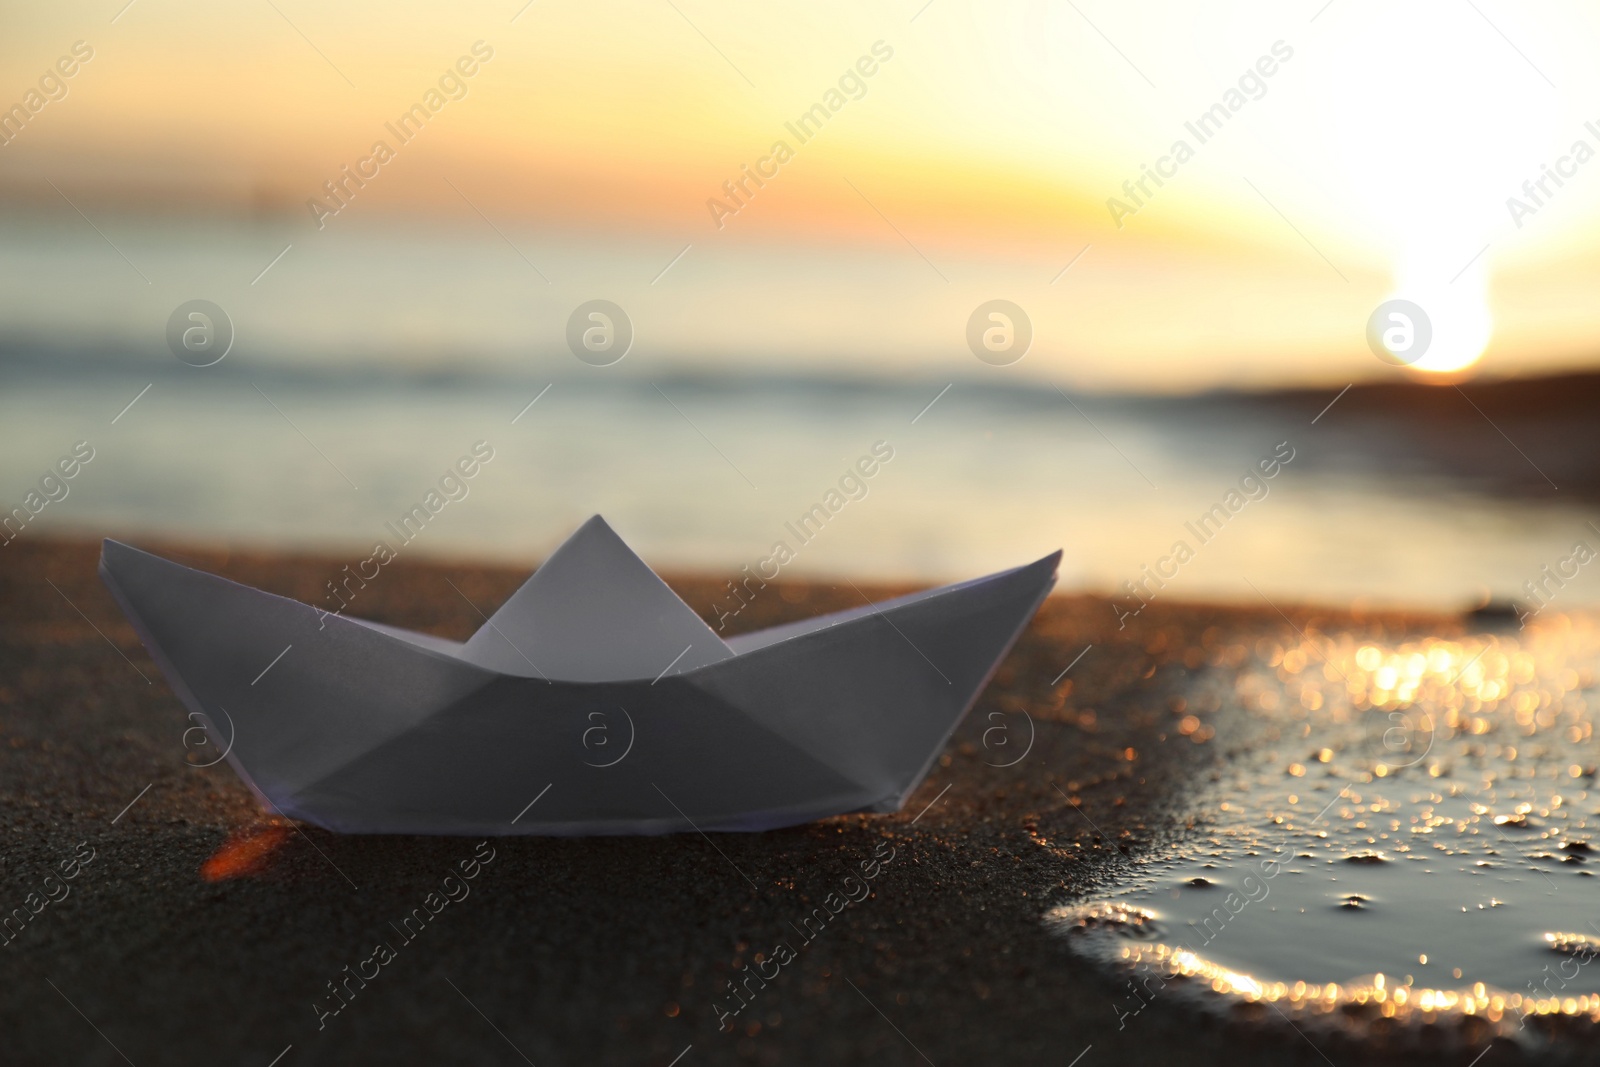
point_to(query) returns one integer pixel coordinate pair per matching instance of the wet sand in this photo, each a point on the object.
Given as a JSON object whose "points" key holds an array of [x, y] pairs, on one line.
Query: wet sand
{"points": [[203, 931]]}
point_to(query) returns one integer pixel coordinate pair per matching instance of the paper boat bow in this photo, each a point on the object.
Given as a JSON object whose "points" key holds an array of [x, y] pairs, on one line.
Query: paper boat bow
{"points": [[364, 728]]}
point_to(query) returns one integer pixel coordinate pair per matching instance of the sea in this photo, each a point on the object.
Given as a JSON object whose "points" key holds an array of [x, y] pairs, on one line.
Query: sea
{"points": [[360, 367], [917, 481]]}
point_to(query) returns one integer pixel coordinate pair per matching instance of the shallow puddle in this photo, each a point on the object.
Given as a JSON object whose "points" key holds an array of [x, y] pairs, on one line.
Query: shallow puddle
{"points": [[1407, 831]]}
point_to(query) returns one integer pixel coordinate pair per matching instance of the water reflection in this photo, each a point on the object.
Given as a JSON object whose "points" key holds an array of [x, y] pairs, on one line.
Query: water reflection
{"points": [[1403, 832]]}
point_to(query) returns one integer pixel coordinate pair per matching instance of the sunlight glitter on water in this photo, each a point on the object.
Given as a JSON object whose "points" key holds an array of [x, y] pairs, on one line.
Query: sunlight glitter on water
{"points": [[1402, 832]]}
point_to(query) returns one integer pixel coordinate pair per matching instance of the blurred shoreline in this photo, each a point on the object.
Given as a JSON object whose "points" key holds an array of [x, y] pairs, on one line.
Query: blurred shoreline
{"points": [[701, 471], [1521, 437]]}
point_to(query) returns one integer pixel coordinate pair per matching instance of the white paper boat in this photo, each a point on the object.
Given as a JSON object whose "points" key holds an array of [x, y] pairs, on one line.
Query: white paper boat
{"points": [[364, 728]]}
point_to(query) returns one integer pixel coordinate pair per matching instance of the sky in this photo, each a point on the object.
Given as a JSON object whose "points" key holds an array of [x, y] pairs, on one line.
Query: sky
{"points": [[1356, 152]]}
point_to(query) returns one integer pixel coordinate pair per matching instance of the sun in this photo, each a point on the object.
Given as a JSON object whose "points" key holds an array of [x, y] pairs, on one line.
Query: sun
{"points": [[1427, 153], [1459, 316]]}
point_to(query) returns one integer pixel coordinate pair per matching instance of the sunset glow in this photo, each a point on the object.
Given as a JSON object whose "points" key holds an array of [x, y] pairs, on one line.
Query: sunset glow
{"points": [[1377, 158]]}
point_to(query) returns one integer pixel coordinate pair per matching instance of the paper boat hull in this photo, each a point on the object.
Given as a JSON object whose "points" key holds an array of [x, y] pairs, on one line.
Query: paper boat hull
{"points": [[364, 729]]}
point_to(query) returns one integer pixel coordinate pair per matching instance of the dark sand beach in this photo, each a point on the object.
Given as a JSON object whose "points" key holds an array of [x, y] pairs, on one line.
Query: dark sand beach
{"points": [[205, 931]]}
